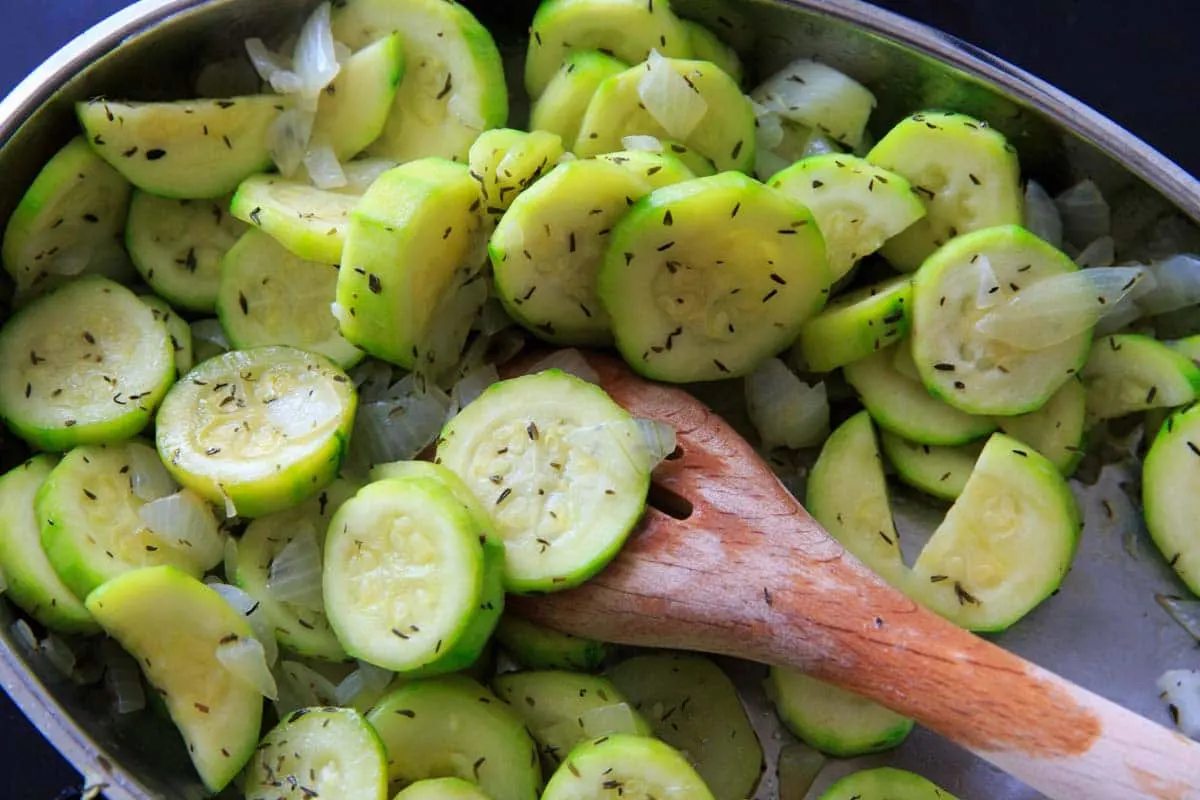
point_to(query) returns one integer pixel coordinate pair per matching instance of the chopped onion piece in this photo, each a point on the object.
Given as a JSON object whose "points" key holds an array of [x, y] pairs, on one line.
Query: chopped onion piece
{"points": [[365, 683], [649, 144], [301, 686], [246, 661], [658, 438], [324, 169], [148, 478], [288, 139], [1058, 308], [399, 426], [644, 442], [230, 509], [1041, 214], [568, 360], [471, 386], [185, 521], [819, 96], [768, 126], [123, 679], [315, 59], [1181, 689], [989, 294], [252, 610], [1177, 285], [492, 318], [295, 574], [361, 173], [266, 63], [674, 103], [768, 164], [372, 378], [24, 634], [1085, 213], [785, 410], [60, 654], [1100, 253], [441, 348], [1184, 612]]}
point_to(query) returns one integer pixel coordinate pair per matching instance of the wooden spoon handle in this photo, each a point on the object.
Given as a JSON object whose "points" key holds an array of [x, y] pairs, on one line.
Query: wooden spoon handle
{"points": [[750, 574]]}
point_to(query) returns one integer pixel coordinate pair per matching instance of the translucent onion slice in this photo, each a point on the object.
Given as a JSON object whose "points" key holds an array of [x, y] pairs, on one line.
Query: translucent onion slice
{"points": [[324, 169], [185, 521], [148, 478], [1177, 285], [25, 635], [1184, 612], [1181, 690], [1085, 213], [246, 661], [251, 609], [989, 294], [315, 59], [1041, 214], [670, 99], [59, 654], [123, 679], [785, 410], [288, 139], [399, 426], [365, 683], [568, 360], [645, 442], [471, 386], [208, 339], [301, 686], [1100, 253], [649, 144], [295, 573], [1058, 308]]}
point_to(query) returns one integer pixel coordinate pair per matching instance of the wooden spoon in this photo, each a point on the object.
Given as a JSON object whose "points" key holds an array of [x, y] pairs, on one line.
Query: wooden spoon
{"points": [[748, 573]]}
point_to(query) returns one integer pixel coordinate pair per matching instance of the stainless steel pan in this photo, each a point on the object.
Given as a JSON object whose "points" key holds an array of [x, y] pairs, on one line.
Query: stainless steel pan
{"points": [[1103, 631]]}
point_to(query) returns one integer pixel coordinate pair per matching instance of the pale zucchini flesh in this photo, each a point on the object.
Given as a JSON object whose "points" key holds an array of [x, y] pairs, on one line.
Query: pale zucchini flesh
{"points": [[623, 766], [834, 721], [538, 647], [1130, 372], [853, 326], [1169, 478], [506, 162], [707, 46], [177, 328], [1057, 429], [355, 107], [561, 107], [309, 222], [442, 789], [938, 471], [657, 169]]}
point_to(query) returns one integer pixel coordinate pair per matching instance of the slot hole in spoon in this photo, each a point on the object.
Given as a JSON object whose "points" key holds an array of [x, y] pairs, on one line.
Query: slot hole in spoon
{"points": [[668, 502]]}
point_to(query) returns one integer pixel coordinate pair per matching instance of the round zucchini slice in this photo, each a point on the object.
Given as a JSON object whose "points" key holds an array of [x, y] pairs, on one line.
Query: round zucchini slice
{"points": [[89, 512], [556, 463], [177, 246], [269, 296], [453, 727], [626, 29], [442, 789], [561, 107], [309, 222], [84, 364], [261, 430], [1129, 372], [834, 721], [76, 205], [885, 783], [506, 162], [173, 625], [1057, 429], [404, 577], [602, 768], [1006, 543], [723, 135], [453, 85], [1169, 479], [657, 169], [902, 405], [938, 471], [319, 752], [548, 248], [33, 585], [536, 647], [706, 278], [953, 290], [855, 325], [177, 328], [707, 46], [967, 175]]}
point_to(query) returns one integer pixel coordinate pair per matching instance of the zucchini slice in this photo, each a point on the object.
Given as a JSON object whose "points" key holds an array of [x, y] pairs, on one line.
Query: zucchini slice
{"points": [[173, 625], [1129, 372], [885, 783], [548, 249], [903, 406], [308, 221], [707, 46], [89, 512], [555, 462], [705, 278], [938, 471], [537, 647], [184, 149], [302, 628], [814, 95], [261, 430], [86, 363], [855, 325], [453, 727], [269, 296], [561, 107], [724, 135], [412, 234], [177, 246], [319, 752], [693, 706], [506, 162], [847, 494], [453, 86], [626, 29], [1006, 543], [620, 766], [967, 175], [834, 721], [404, 577], [858, 206], [564, 709], [354, 108], [657, 169], [75, 206], [1057, 429], [1169, 479], [442, 789], [33, 585], [177, 328], [960, 364]]}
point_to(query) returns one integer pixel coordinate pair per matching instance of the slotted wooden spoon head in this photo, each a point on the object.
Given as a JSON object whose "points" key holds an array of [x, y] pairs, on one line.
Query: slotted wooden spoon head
{"points": [[727, 561]]}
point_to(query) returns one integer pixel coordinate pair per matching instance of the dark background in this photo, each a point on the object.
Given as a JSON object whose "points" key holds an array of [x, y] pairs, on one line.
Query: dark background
{"points": [[1134, 61]]}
